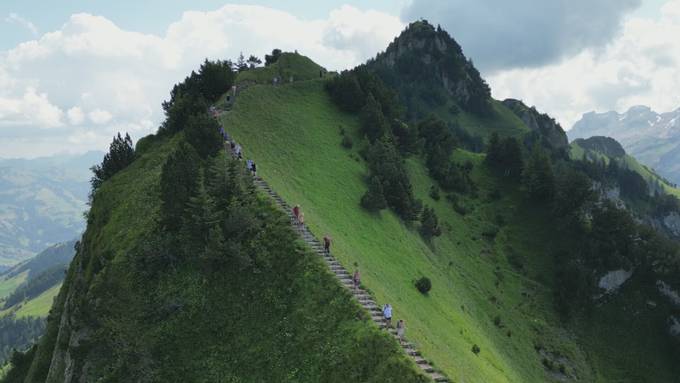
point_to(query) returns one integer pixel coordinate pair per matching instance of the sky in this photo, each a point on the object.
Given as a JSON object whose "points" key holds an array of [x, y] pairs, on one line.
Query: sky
{"points": [[75, 72]]}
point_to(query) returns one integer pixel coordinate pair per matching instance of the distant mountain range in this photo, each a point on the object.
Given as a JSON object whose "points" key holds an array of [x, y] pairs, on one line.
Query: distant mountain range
{"points": [[42, 202], [651, 137]]}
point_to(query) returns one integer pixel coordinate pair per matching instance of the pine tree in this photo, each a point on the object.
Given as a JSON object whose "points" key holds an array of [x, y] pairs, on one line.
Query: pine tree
{"points": [[179, 178], [374, 199], [241, 64], [215, 251], [121, 154], [201, 215], [372, 119], [538, 175], [203, 133], [429, 224]]}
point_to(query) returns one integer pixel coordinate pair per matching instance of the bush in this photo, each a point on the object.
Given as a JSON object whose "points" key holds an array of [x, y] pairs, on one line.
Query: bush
{"points": [[497, 321], [347, 142], [476, 350], [434, 192], [490, 232], [514, 258], [424, 285]]}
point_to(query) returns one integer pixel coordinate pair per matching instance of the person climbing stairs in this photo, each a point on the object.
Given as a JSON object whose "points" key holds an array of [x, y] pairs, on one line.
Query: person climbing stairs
{"points": [[347, 281]]}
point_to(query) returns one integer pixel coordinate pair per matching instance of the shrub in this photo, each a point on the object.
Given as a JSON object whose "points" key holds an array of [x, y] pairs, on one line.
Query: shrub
{"points": [[497, 321], [494, 194], [347, 142], [424, 285], [490, 232], [476, 350], [434, 192]]}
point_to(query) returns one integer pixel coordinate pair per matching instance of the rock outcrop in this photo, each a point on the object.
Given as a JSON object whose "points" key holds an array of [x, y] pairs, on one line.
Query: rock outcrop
{"points": [[546, 127]]}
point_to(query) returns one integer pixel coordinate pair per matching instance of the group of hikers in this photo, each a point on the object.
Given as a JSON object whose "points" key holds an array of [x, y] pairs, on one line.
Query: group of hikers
{"points": [[401, 325], [299, 221], [237, 151]]}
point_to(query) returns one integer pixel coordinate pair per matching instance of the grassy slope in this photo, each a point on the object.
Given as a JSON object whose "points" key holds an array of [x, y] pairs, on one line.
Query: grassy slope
{"points": [[577, 152], [295, 140], [40, 305], [8, 285], [218, 334]]}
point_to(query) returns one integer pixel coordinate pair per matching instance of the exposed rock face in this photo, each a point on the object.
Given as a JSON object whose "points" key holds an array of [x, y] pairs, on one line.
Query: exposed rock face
{"points": [[668, 224], [672, 223], [547, 128], [423, 58], [674, 328], [667, 290], [611, 281], [653, 138]]}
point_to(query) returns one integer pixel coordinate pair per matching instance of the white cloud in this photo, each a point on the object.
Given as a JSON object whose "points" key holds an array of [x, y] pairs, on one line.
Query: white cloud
{"points": [[116, 79], [100, 116], [13, 18], [641, 66], [75, 116], [31, 108]]}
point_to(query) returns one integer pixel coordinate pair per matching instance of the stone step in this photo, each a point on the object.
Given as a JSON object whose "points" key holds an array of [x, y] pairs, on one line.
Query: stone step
{"points": [[345, 278], [419, 359]]}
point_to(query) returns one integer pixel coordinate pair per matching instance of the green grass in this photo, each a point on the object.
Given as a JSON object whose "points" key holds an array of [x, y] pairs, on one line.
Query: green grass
{"points": [[8, 285], [577, 153], [282, 319], [39, 306], [296, 142], [289, 64]]}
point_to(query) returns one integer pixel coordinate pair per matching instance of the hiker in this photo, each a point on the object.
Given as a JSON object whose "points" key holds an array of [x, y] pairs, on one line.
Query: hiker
{"points": [[249, 165], [401, 327], [301, 220], [387, 314], [327, 244], [254, 169], [296, 214], [356, 279], [237, 151]]}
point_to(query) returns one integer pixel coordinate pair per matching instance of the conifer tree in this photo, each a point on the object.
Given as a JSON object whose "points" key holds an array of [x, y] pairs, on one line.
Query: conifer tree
{"points": [[429, 224], [374, 199], [538, 175], [178, 182], [373, 121], [203, 133], [121, 154], [201, 215]]}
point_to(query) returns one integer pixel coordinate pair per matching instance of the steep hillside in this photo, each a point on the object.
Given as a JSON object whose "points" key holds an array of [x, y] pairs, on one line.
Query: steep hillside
{"points": [[146, 299], [429, 71], [541, 124], [42, 202], [653, 138], [605, 149], [296, 144], [26, 294], [491, 269]]}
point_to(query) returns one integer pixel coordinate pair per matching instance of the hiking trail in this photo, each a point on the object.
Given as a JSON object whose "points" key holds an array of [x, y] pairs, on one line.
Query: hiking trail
{"points": [[345, 278]]}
